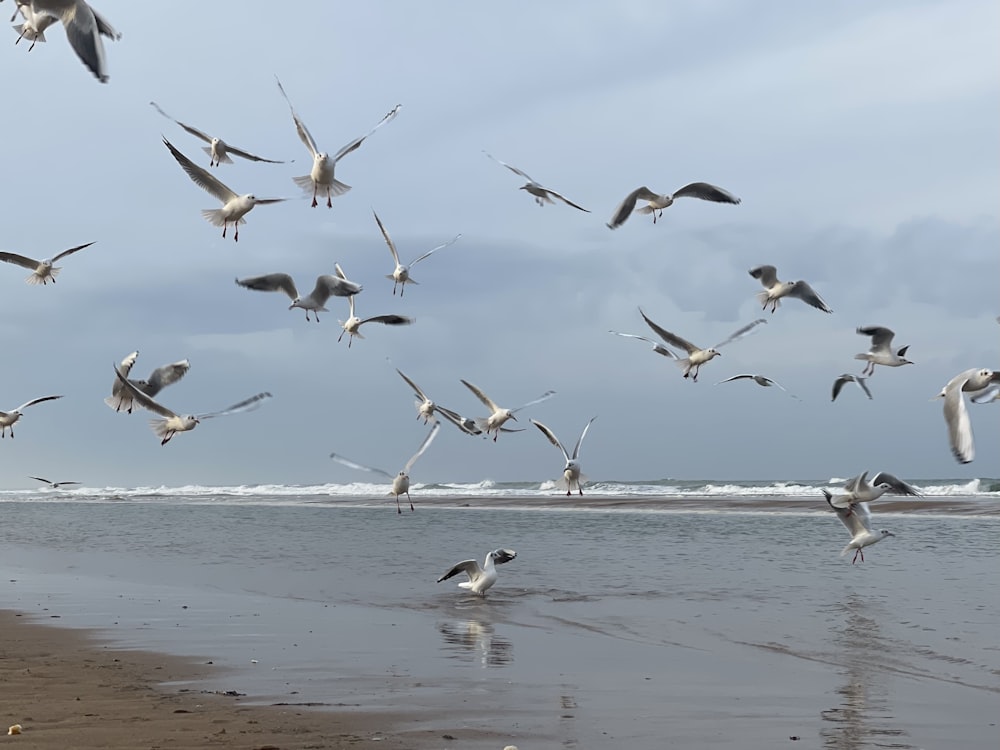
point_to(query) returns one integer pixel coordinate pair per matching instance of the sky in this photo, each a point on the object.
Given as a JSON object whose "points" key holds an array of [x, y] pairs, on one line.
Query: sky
{"points": [[861, 138]]}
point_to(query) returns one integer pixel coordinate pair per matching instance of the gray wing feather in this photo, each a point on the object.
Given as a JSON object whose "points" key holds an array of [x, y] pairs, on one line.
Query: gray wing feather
{"points": [[246, 405], [304, 134], [657, 346], [72, 250], [416, 389], [144, 401], [899, 487], [881, 337], [271, 282], [737, 335], [671, 338], [807, 294], [358, 141], [706, 192], [469, 567], [627, 206], [19, 260], [360, 467], [768, 275], [201, 177], [544, 397], [189, 128], [423, 447], [452, 241], [515, 170], [34, 401], [551, 437], [166, 375]]}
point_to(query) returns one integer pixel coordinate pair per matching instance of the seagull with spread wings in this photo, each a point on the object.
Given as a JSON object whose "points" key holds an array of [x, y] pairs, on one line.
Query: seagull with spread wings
{"points": [[352, 326], [53, 485], [846, 378], [481, 579], [34, 25], [84, 29], [498, 416], [542, 194], [760, 380], [774, 290], [881, 351], [571, 477], [858, 521], [656, 202], [8, 418], [160, 378], [42, 271], [217, 149], [401, 274], [327, 285]]}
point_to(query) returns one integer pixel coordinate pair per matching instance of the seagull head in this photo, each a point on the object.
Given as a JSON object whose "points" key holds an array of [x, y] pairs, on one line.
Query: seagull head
{"points": [[713, 352], [883, 533], [321, 157], [295, 303]]}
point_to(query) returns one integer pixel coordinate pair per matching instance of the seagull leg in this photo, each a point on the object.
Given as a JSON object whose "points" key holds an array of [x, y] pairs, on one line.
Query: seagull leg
{"points": [[340, 336], [398, 510], [862, 551], [411, 501], [855, 555], [224, 227], [236, 234], [329, 202], [315, 188]]}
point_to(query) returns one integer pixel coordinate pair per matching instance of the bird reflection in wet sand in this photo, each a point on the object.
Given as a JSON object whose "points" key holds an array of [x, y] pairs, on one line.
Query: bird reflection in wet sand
{"points": [[474, 640], [860, 721]]}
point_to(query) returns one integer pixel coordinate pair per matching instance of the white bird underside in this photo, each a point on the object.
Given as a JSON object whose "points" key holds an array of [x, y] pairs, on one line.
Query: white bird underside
{"points": [[572, 477], [775, 290], [657, 202], [218, 150], [857, 519]]}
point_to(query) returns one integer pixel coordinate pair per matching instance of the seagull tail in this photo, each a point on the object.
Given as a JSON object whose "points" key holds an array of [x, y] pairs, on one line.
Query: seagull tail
{"points": [[481, 423], [119, 402], [217, 217], [762, 297], [646, 210], [34, 279], [684, 364], [224, 158], [33, 36], [863, 357], [160, 428]]}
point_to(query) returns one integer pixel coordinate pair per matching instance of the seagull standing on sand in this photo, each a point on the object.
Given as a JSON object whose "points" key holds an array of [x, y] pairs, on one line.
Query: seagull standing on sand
{"points": [[8, 418], [171, 422], [696, 355], [401, 274], [839, 383], [84, 29], [321, 176], [759, 380], [217, 149], [401, 481], [352, 325], [53, 485], [956, 416], [42, 271], [881, 351], [542, 194], [234, 206], [657, 202], [480, 579], [160, 378], [327, 285], [571, 476], [775, 290], [495, 421], [858, 520]]}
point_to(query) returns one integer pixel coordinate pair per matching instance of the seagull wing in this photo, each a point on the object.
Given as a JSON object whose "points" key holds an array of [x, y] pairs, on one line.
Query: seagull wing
{"points": [[768, 275], [627, 206], [552, 437], [706, 192], [736, 377], [881, 337], [452, 241], [899, 487], [579, 442], [863, 385], [657, 346], [166, 375], [72, 250], [487, 401], [744, 331], [544, 397], [82, 31], [248, 156], [201, 177], [388, 239], [19, 260], [248, 404], [24, 406], [565, 200], [458, 420], [388, 320], [360, 467], [807, 294], [300, 126], [956, 416], [423, 447], [328, 285], [469, 567], [671, 338], [856, 518], [271, 282], [146, 402], [43, 480], [358, 141], [189, 128], [416, 389], [986, 396], [515, 170]]}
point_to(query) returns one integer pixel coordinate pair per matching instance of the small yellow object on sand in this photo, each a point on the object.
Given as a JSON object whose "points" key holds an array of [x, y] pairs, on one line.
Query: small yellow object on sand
{"points": [[14, 729]]}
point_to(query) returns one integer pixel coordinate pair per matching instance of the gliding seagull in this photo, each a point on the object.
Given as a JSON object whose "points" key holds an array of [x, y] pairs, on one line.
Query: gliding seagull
{"points": [[657, 202], [542, 194], [217, 149], [839, 383], [53, 485], [160, 378], [860, 490], [352, 325], [84, 29], [401, 274], [480, 579], [42, 271], [571, 476], [8, 418], [327, 285], [759, 380], [498, 416], [775, 290], [425, 407], [881, 351]]}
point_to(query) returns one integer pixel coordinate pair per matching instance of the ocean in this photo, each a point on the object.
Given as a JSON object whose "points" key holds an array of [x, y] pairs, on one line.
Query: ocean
{"points": [[647, 615]]}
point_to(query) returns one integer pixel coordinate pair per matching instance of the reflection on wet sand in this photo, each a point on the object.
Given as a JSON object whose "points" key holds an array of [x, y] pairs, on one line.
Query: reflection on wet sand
{"points": [[474, 640], [861, 720]]}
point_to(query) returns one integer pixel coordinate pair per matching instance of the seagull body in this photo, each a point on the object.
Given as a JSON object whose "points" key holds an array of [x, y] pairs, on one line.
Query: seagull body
{"points": [[34, 25], [881, 351], [42, 271], [401, 481], [542, 194], [860, 490], [759, 380], [656, 202], [858, 521], [401, 274], [84, 29], [8, 418], [696, 355], [327, 285], [54, 485], [160, 378], [171, 422], [468, 425], [774, 290], [571, 476], [425, 407], [234, 206], [956, 416], [499, 416], [481, 579], [217, 149], [840, 382], [321, 178], [352, 326]]}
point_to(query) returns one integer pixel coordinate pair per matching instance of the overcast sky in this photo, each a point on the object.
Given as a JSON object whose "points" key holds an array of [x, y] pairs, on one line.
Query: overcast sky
{"points": [[861, 137]]}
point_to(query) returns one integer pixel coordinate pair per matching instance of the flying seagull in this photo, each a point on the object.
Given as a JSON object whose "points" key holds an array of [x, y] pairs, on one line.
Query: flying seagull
{"points": [[84, 29], [860, 490], [321, 178], [542, 194], [956, 416], [759, 380], [352, 326], [42, 271], [696, 355], [425, 407], [571, 476], [160, 378], [657, 202], [480, 579], [171, 422], [881, 351], [53, 485], [774, 290], [401, 274], [467, 424], [840, 382], [327, 285], [401, 481], [8, 418], [217, 149], [234, 206], [34, 25], [498, 416], [858, 521]]}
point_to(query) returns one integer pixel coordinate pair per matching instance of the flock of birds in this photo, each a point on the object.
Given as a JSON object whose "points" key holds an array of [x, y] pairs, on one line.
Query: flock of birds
{"points": [[85, 30]]}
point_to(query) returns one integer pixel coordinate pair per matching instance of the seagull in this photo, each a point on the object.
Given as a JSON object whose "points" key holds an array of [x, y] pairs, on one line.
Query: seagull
{"points": [[327, 285], [401, 481], [218, 150], [860, 490], [34, 25], [858, 521], [53, 485], [498, 416], [160, 378], [42, 271], [234, 206], [838, 384], [542, 194], [480, 579], [571, 476], [696, 355], [84, 29], [881, 351], [657, 202], [759, 380], [172, 423], [8, 418], [401, 274], [775, 290], [657, 346], [956, 416], [987, 396], [321, 177], [467, 424], [353, 323], [425, 407]]}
